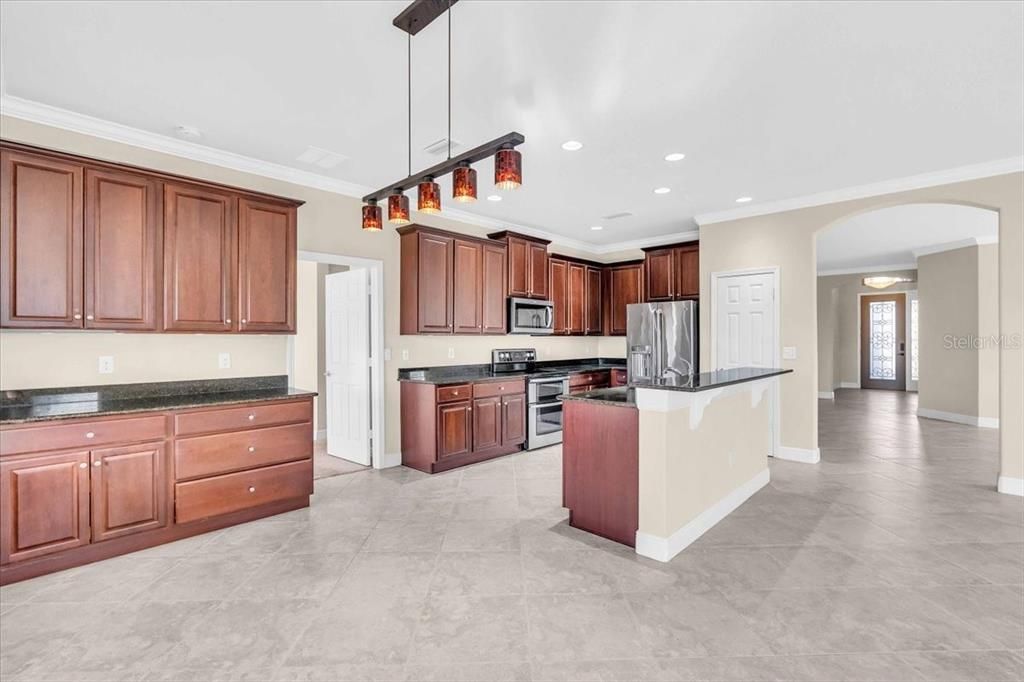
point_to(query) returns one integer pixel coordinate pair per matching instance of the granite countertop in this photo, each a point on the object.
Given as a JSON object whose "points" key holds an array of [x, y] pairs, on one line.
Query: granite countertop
{"points": [[456, 374], [41, 404], [706, 381], [620, 396]]}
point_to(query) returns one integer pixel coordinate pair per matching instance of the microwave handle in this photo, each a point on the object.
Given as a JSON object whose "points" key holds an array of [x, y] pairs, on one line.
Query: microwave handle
{"points": [[547, 317]]}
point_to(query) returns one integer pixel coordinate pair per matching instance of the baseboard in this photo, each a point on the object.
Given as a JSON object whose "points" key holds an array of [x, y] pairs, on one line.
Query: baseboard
{"points": [[1010, 486], [663, 549], [805, 455], [849, 384], [970, 420], [389, 459], [826, 395]]}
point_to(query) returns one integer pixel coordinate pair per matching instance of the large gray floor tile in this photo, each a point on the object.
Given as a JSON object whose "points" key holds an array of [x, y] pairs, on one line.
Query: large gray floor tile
{"points": [[471, 629], [581, 627]]}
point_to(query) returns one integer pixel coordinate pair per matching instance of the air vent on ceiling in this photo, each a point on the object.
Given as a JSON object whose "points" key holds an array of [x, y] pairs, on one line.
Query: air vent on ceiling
{"points": [[441, 146], [321, 157], [616, 216]]}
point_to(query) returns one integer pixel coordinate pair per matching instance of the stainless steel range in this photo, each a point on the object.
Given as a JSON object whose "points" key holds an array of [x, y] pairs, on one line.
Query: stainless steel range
{"points": [[544, 410]]}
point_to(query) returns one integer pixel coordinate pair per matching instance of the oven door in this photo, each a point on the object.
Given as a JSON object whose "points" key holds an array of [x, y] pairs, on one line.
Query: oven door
{"points": [[544, 425], [530, 316]]}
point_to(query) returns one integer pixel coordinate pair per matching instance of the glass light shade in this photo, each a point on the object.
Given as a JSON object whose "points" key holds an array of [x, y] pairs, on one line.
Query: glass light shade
{"points": [[398, 209], [372, 217], [464, 184], [429, 197], [508, 169], [884, 282]]}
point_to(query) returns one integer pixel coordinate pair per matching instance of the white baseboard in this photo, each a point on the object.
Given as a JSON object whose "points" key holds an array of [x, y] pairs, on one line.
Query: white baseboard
{"points": [[1011, 486], [970, 420], [390, 459], [849, 384], [805, 455], [663, 549], [826, 395]]}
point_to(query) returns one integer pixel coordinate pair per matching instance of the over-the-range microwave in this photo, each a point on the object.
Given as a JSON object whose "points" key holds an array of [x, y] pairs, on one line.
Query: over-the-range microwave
{"points": [[530, 316]]}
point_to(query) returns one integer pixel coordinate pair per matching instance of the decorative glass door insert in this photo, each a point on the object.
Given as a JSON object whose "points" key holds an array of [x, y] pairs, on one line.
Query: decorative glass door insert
{"points": [[883, 339], [883, 347]]}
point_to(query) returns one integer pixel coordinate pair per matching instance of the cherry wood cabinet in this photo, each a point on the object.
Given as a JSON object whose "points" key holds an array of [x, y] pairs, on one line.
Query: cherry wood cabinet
{"points": [[575, 298], [487, 413], [576, 292], [688, 271], [513, 419], [266, 266], [494, 278], [625, 287], [538, 268], [558, 282], [41, 241], [129, 490], [454, 429], [467, 274], [672, 273], [527, 264], [593, 319]]}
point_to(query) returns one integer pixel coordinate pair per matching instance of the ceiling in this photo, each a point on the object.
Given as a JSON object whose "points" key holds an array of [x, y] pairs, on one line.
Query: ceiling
{"points": [[770, 101], [892, 237]]}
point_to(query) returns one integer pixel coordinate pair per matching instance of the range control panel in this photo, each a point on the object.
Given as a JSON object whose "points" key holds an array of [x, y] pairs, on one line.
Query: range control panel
{"points": [[513, 355]]}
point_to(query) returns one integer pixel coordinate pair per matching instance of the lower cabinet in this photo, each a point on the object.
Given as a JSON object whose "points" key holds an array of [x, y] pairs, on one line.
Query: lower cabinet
{"points": [[513, 419], [129, 490], [454, 429]]}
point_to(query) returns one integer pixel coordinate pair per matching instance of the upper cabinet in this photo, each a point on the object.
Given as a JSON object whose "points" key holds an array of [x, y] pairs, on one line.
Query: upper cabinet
{"points": [[672, 273], [575, 289], [558, 279], [594, 299], [451, 284], [527, 265], [92, 245], [625, 287], [41, 242]]}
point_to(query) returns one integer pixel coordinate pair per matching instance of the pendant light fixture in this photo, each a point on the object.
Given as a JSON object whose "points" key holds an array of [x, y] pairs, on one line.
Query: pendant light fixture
{"points": [[508, 162]]}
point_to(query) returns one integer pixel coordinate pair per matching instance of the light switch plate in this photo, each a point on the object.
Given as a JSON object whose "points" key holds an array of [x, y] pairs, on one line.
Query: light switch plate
{"points": [[789, 352], [105, 364], [405, 353], [224, 360], [451, 353]]}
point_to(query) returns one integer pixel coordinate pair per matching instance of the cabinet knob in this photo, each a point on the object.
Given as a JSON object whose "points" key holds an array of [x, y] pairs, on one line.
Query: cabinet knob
{"points": [[501, 388], [78, 316], [252, 489], [90, 434], [252, 448], [97, 463], [455, 392], [88, 317], [82, 465], [251, 417], [227, 321], [244, 320]]}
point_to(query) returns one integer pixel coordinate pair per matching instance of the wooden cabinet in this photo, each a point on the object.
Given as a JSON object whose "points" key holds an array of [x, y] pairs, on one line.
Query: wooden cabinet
{"points": [[129, 490], [575, 290], [454, 429], [122, 250], [672, 273], [493, 309], [466, 286], [593, 321], [625, 287], [45, 502], [537, 272], [41, 241], [513, 419], [266, 266], [619, 377], [575, 298], [581, 382], [558, 282], [527, 264], [487, 413], [218, 496]]}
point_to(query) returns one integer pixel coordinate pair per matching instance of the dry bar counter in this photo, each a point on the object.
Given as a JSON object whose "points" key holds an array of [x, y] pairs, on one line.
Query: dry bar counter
{"points": [[656, 464]]}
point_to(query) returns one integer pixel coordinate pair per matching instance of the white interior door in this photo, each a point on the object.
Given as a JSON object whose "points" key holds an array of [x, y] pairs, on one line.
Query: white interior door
{"points": [[347, 365], [745, 324]]}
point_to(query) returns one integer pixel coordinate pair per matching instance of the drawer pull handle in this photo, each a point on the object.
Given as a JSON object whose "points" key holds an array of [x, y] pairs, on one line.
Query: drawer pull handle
{"points": [[252, 448], [90, 434], [251, 417], [252, 489]]}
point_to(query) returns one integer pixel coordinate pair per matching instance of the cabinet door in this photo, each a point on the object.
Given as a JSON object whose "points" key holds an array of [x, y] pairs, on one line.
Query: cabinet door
{"points": [[661, 277], [688, 271], [40, 242], [454, 431], [266, 266], [557, 281], [435, 300], [493, 308], [518, 268], [122, 250], [486, 423], [625, 285], [513, 419], [593, 322], [576, 298], [129, 490], [199, 259], [45, 502], [467, 287], [538, 284]]}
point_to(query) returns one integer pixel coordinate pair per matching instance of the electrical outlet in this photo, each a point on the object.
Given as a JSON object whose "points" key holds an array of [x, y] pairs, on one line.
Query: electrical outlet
{"points": [[451, 353], [224, 360], [106, 364], [405, 353], [789, 352]]}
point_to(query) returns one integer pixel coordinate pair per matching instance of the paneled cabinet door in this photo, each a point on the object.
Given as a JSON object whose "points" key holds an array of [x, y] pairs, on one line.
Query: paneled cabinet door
{"points": [[199, 259], [625, 285], [688, 272], [486, 423], [45, 504], [538, 282], [558, 283], [592, 322], [576, 298], [493, 309], [661, 275], [467, 290], [435, 300], [122, 250], [40, 242], [513, 423], [129, 490], [454, 429], [266, 266], [518, 268]]}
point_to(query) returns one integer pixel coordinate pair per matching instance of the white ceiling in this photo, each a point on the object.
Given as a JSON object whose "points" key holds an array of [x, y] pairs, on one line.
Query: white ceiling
{"points": [[766, 100], [889, 237]]}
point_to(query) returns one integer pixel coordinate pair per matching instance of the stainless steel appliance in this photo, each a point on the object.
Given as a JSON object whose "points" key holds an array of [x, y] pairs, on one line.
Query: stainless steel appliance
{"points": [[530, 316], [662, 339], [513, 360], [544, 410]]}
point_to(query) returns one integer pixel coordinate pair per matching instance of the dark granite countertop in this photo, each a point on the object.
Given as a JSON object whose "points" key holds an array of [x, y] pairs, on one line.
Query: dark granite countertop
{"points": [[41, 404], [620, 396], [456, 374], [706, 381]]}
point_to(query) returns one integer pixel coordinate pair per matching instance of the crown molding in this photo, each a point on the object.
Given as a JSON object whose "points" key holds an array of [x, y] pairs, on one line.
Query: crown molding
{"points": [[867, 269], [954, 245], [963, 173]]}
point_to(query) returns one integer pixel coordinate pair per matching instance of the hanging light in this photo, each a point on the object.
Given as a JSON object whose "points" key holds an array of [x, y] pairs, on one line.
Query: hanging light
{"points": [[883, 282], [464, 184], [398, 209], [508, 169], [371, 216], [429, 196]]}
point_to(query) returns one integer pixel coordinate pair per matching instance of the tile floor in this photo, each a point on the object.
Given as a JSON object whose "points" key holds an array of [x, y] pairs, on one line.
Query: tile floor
{"points": [[893, 559], [325, 466]]}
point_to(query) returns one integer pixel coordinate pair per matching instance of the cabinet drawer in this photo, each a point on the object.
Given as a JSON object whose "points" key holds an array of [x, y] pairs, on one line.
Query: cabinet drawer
{"points": [[446, 394], [224, 452], [619, 377], [243, 490], [585, 378], [493, 388], [85, 434], [244, 417]]}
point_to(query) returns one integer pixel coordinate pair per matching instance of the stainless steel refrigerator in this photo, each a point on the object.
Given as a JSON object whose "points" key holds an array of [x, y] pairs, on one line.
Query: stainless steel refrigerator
{"points": [[662, 340]]}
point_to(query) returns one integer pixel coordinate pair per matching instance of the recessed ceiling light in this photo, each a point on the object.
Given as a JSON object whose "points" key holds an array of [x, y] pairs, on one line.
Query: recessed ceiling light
{"points": [[596, 227], [675, 156], [572, 146], [743, 200], [494, 197], [662, 190]]}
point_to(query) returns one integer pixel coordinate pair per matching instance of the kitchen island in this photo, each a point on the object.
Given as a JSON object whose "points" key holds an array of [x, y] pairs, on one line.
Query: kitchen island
{"points": [[656, 464]]}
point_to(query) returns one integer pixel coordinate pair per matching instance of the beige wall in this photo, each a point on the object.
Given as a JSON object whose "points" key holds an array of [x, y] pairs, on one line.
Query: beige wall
{"points": [[988, 327], [787, 240]]}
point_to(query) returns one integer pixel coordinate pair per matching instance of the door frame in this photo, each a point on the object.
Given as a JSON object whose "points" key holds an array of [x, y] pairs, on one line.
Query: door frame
{"points": [[375, 269], [775, 403], [909, 296], [860, 322]]}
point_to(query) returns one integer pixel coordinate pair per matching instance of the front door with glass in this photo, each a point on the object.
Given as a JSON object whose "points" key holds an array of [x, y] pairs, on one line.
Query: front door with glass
{"points": [[883, 341]]}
